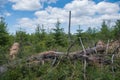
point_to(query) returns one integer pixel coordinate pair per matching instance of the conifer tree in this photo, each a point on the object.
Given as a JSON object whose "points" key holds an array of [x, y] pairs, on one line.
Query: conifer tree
{"points": [[105, 32], [58, 34], [117, 30], [4, 36]]}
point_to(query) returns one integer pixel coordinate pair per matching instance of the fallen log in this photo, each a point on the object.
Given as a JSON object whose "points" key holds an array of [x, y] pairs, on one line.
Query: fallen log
{"points": [[89, 51], [42, 57]]}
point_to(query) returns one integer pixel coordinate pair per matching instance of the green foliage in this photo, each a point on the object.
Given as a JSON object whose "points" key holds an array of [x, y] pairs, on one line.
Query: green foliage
{"points": [[40, 33], [64, 70], [105, 32], [116, 30], [91, 33], [79, 32], [40, 46], [4, 41], [45, 72], [50, 44], [58, 34], [4, 36], [21, 36], [27, 51]]}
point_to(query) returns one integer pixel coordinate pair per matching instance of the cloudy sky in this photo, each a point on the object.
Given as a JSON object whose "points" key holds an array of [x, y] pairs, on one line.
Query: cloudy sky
{"points": [[87, 13]]}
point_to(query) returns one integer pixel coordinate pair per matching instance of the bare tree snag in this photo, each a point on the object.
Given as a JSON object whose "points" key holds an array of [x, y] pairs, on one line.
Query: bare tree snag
{"points": [[85, 62], [69, 33]]}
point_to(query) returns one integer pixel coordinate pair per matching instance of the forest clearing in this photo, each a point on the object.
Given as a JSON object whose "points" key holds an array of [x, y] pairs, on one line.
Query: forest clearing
{"points": [[90, 55], [59, 39]]}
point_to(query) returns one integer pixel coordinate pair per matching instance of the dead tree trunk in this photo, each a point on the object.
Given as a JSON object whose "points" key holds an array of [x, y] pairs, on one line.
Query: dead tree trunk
{"points": [[85, 62]]}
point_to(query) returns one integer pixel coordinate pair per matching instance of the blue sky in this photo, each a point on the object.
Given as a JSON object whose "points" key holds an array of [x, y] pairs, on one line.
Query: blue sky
{"points": [[87, 13]]}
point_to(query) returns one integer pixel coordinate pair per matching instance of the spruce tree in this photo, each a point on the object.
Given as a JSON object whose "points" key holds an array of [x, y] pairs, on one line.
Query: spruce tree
{"points": [[4, 36], [117, 30], [58, 34], [105, 32], [79, 32]]}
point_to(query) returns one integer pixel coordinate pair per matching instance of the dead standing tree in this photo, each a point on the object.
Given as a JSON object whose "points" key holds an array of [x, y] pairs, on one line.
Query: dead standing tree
{"points": [[69, 35], [85, 62], [69, 28]]}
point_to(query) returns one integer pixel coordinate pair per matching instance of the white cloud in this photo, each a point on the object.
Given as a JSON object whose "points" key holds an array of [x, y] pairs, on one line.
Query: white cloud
{"points": [[27, 22], [107, 8], [50, 15], [29, 5], [7, 14], [84, 13], [80, 8], [26, 4]]}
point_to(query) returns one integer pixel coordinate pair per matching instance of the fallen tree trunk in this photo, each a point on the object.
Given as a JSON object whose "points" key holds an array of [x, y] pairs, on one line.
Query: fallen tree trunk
{"points": [[89, 51], [73, 55]]}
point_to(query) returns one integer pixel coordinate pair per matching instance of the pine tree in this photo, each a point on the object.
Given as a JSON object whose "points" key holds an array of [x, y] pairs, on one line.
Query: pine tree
{"points": [[58, 34], [21, 36], [4, 36], [40, 33], [117, 30], [89, 32], [105, 32], [40, 38], [79, 32], [4, 40]]}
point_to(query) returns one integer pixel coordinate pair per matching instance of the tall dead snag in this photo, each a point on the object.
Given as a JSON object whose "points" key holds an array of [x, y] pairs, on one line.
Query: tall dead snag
{"points": [[69, 27], [85, 62], [69, 34]]}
